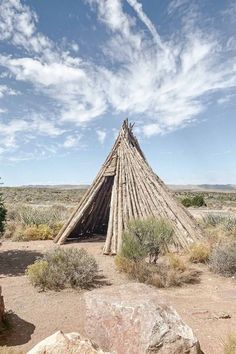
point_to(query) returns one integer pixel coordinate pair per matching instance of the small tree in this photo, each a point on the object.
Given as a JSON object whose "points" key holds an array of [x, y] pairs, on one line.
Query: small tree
{"points": [[198, 201], [3, 214], [187, 202]]}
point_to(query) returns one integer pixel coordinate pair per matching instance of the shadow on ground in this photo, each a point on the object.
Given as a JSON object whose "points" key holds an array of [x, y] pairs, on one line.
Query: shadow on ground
{"points": [[100, 281], [87, 238], [17, 331], [15, 262]]}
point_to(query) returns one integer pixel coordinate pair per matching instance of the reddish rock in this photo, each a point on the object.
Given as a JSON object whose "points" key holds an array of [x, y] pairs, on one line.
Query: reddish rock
{"points": [[134, 319]]}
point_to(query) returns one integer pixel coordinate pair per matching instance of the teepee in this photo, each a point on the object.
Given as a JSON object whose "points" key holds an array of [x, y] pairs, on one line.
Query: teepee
{"points": [[127, 188]]}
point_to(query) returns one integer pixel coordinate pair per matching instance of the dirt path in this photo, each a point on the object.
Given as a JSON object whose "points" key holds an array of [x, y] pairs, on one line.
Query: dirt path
{"points": [[37, 315]]}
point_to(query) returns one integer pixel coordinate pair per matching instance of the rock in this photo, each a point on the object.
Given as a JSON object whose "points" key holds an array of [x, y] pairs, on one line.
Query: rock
{"points": [[70, 343], [2, 308], [134, 319]]}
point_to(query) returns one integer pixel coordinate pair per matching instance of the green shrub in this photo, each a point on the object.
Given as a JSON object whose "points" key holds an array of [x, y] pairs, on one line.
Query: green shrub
{"points": [[223, 258], [187, 202], [199, 253], [38, 273], [146, 238], [132, 248], [197, 201], [62, 268]]}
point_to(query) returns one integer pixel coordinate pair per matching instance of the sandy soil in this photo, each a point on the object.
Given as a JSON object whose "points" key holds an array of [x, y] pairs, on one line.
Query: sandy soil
{"points": [[37, 315]]}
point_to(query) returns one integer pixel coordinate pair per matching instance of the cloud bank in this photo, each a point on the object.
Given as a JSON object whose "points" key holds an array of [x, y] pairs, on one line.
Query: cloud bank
{"points": [[163, 82]]}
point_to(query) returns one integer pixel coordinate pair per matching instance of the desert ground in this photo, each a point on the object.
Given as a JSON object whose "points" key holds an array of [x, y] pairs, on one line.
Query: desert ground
{"points": [[209, 307], [36, 315]]}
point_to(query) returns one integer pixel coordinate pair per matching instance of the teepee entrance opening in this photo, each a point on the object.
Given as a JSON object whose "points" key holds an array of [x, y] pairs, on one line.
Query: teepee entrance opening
{"points": [[96, 216]]}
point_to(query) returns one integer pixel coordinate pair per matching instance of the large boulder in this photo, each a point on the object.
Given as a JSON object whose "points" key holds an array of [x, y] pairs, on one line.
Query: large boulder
{"points": [[1, 306], [134, 319], [70, 343]]}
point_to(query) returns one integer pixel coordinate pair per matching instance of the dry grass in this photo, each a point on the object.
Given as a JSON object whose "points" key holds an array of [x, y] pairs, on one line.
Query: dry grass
{"points": [[27, 223], [19, 195], [168, 272], [36, 232], [199, 253], [13, 195], [176, 262]]}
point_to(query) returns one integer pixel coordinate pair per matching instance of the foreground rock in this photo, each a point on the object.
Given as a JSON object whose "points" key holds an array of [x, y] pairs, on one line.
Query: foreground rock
{"points": [[1, 306], [70, 343], [134, 319]]}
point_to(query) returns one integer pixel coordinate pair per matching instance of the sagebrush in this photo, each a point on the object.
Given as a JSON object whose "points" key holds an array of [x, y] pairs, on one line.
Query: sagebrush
{"points": [[62, 268], [223, 258], [146, 237], [227, 222]]}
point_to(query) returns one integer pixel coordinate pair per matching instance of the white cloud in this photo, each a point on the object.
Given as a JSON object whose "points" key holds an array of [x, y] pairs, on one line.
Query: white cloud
{"points": [[230, 12], [144, 18], [18, 26], [72, 141], [45, 127], [8, 132], [164, 82], [75, 47], [151, 129], [5, 90], [225, 99], [74, 85], [18, 132], [176, 5], [101, 135]]}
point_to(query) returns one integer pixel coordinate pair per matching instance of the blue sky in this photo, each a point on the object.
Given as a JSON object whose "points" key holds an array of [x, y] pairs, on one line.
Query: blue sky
{"points": [[72, 70]]}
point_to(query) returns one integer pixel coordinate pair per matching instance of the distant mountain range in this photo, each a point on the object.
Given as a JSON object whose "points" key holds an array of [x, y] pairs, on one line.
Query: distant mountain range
{"points": [[174, 187]]}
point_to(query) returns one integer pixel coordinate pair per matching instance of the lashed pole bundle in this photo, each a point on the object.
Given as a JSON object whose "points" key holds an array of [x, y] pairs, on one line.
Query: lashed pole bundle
{"points": [[126, 188]]}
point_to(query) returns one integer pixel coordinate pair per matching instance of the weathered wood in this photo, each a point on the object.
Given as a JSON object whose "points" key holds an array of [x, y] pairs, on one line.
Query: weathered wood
{"points": [[127, 188]]}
